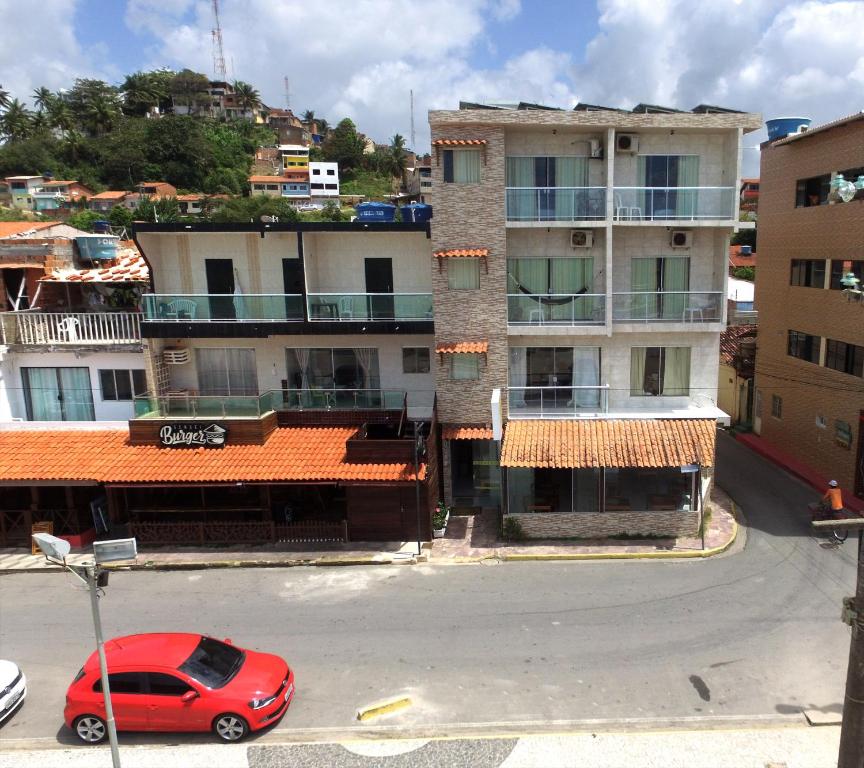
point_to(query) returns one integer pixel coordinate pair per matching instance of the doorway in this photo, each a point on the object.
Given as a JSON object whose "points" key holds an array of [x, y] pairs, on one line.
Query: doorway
{"points": [[859, 459], [294, 287], [475, 470], [220, 281], [379, 279]]}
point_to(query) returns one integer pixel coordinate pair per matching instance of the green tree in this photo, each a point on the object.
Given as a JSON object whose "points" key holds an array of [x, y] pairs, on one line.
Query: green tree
{"points": [[59, 113], [84, 220], [179, 146], [745, 237], [242, 209], [95, 105], [121, 216], [744, 273], [332, 212], [16, 122], [42, 98], [4, 98], [163, 210], [143, 90], [344, 146], [308, 116], [224, 181], [190, 89], [247, 97]]}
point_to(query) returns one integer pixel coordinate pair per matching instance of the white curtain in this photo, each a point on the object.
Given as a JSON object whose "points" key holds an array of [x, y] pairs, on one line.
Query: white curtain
{"points": [[676, 273], [637, 370], [521, 195], [676, 371], [571, 173], [688, 176], [367, 357], [239, 301], [465, 367], [518, 375], [586, 373], [463, 274], [301, 355], [466, 166], [226, 371]]}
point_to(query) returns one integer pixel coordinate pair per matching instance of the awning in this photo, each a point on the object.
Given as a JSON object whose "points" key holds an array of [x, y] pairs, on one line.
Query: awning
{"points": [[462, 253], [301, 454], [618, 443], [466, 432], [459, 142], [463, 348]]}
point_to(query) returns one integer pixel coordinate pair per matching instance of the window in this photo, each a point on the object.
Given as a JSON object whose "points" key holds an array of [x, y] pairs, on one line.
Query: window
{"points": [[548, 378], [776, 406], [331, 186], [58, 394], [213, 663], [122, 384], [843, 433], [462, 166], [121, 682], [843, 357], [325, 368], [331, 172], [272, 186], [316, 171], [660, 371], [465, 367], [166, 685], [317, 185], [463, 274], [840, 268], [804, 346], [415, 360], [425, 183], [226, 371], [812, 191], [809, 273]]}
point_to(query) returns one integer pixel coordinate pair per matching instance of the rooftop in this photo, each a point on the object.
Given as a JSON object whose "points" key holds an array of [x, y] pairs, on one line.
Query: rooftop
{"points": [[730, 341], [820, 128], [10, 228]]}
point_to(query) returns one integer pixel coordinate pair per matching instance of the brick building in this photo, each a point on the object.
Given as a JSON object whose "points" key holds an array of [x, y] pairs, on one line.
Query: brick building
{"points": [[582, 269], [810, 361]]}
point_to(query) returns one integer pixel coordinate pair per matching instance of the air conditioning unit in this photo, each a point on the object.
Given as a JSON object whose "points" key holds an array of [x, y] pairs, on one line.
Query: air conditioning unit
{"points": [[596, 149], [581, 238], [627, 143], [175, 356], [681, 238]]}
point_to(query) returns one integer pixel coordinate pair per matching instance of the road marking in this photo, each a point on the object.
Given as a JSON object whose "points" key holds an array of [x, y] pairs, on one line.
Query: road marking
{"points": [[384, 708]]}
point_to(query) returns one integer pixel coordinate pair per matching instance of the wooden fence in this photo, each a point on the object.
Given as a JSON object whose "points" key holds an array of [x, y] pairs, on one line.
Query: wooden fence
{"points": [[219, 532]]}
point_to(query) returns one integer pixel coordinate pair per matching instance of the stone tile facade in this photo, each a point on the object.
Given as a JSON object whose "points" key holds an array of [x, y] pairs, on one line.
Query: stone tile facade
{"points": [[552, 525]]}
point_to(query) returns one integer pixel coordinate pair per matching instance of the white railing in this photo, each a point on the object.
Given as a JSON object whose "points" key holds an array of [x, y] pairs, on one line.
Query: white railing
{"points": [[76, 327], [674, 203], [667, 306], [557, 402]]}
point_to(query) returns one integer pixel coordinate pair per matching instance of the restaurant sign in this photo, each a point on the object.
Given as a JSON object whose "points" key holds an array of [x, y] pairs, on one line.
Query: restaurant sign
{"points": [[192, 436]]}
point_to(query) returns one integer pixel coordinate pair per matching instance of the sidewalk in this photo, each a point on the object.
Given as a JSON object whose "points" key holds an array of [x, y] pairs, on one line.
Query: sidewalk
{"points": [[472, 538]]}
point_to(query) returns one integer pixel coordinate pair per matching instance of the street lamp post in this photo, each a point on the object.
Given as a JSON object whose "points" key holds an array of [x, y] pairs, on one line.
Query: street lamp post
{"points": [[418, 449], [94, 577]]}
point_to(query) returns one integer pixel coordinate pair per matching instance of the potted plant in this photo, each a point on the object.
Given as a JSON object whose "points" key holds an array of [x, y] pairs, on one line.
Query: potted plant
{"points": [[439, 520]]}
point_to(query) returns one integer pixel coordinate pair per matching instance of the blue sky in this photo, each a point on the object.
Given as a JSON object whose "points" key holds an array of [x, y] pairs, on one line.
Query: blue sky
{"points": [[359, 58]]}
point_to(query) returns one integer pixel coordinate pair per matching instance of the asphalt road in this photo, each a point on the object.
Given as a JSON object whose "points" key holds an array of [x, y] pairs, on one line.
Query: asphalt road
{"points": [[753, 633]]}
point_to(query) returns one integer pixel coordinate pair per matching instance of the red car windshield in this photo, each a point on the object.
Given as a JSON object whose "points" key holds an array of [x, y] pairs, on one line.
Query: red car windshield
{"points": [[213, 663]]}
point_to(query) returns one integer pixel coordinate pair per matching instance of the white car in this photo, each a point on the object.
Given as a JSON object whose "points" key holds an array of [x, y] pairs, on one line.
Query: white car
{"points": [[13, 688]]}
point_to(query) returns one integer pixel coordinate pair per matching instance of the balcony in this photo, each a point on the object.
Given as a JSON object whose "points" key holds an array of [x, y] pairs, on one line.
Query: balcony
{"points": [[638, 204], [550, 204], [557, 402], [691, 307], [557, 309], [70, 328], [267, 307], [189, 405], [369, 306]]}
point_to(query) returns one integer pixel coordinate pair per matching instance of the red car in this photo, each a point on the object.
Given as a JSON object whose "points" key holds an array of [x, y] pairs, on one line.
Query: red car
{"points": [[180, 682]]}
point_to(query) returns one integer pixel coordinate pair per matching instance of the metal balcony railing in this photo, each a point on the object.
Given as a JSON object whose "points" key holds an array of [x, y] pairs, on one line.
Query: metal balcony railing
{"points": [[556, 203], [557, 402], [71, 328], [204, 307], [556, 309], [674, 203], [667, 306], [370, 306]]}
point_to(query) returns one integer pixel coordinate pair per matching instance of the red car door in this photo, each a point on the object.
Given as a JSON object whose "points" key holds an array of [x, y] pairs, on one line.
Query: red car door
{"points": [[127, 699], [166, 709]]}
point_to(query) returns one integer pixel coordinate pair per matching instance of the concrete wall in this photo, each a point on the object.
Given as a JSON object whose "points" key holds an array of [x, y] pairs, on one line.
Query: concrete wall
{"points": [[552, 525], [716, 168], [555, 242]]}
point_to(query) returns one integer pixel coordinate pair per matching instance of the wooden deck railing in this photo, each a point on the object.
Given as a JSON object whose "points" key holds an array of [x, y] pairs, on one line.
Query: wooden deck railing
{"points": [[72, 328]]}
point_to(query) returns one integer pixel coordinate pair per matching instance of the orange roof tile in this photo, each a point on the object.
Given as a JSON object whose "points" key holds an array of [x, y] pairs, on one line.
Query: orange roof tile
{"points": [[458, 142], [609, 443], [290, 454], [266, 179], [455, 253], [189, 198], [462, 348], [9, 228], [110, 194], [128, 268], [467, 432], [730, 341]]}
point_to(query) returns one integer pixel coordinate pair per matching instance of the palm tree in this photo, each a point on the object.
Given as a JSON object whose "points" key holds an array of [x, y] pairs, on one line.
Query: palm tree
{"points": [[16, 122], [42, 98], [59, 114], [142, 90], [323, 126], [100, 113], [246, 96], [308, 116], [73, 143], [398, 156], [39, 122], [4, 98]]}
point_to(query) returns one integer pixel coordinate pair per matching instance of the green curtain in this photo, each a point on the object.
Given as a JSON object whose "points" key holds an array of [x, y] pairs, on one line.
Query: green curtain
{"points": [[531, 274], [463, 273], [77, 394], [521, 195], [572, 276], [676, 278], [676, 371], [572, 173], [44, 393], [688, 176], [643, 280], [645, 200], [466, 166], [465, 367], [637, 371]]}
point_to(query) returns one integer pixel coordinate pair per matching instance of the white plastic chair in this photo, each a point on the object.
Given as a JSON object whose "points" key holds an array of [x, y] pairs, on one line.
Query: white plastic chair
{"points": [[69, 327], [183, 305], [346, 308], [535, 314]]}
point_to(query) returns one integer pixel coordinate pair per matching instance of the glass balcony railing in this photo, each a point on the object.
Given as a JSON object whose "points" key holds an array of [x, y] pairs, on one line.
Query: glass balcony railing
{"points": [[556, 309], [557, 401], [667, 306], [335, 399], [674, 203], [370, 306], [273, 307], [556, 203]]}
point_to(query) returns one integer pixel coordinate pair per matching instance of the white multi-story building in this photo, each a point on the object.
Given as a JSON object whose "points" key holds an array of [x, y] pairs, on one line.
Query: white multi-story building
{"points": [[323, 180]]}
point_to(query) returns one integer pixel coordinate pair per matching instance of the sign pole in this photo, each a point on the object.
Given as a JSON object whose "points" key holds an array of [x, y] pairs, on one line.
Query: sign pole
{"points": [[852, 729]]}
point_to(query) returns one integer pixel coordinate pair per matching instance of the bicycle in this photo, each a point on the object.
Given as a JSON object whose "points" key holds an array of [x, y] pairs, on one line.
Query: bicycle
{"points": [[820, 511]]}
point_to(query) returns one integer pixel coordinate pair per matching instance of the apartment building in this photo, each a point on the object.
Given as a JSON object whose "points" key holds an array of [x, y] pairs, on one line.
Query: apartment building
{"points": [[579, 299], [70, 339], [323, 181], [21, 190], [810, 361], [59, 197]]}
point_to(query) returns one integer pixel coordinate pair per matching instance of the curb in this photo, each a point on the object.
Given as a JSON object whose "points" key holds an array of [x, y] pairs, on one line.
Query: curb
{"points": [[367, 713]]}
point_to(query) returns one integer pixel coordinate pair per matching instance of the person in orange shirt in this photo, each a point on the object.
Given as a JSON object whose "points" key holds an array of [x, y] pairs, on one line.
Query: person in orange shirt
{"points": [[833, 498]]}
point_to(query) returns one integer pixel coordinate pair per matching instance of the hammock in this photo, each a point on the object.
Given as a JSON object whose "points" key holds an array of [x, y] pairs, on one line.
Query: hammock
{"points": [[552, 302]]}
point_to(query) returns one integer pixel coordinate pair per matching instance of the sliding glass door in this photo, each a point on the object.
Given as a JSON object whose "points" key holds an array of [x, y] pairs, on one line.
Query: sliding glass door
{"points": [[226, 372], [58, 394], [665, 281], [672, 182]]}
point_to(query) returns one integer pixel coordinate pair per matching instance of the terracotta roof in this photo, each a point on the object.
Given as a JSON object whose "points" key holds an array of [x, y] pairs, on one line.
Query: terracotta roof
{"points": [[266, 179], [466, 432], [290, 454], [9, 228], [462, 347], [189, 198], [458, 142], [111, 194], [730, 339], [456, 253], [737, 260], [128, 268], [609, 443]]}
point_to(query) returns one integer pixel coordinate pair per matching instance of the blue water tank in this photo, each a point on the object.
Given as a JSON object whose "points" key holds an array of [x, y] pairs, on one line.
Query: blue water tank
{"points": [[419, 213], [102, 227], [780, 127], [381, 212]]}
